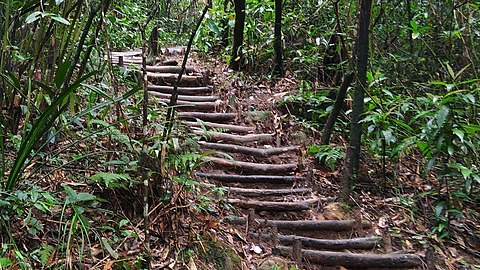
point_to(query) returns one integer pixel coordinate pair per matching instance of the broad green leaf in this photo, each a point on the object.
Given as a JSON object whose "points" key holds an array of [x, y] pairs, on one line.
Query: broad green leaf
{"points": [[439, 209], [61, 73], [110, 250], [4, 262], [33, 17], [450, 71], [415, 34], [459, 133], [442, 116], [60, 20]]}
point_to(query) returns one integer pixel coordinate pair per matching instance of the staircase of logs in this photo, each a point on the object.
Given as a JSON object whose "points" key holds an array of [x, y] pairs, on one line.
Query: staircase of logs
{"points": [[275, 201]]}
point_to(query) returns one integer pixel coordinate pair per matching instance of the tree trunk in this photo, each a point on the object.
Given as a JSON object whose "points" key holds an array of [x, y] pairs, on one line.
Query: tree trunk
{"points": [[236, 60], [278, 38], [352, 160], [337, 108]]}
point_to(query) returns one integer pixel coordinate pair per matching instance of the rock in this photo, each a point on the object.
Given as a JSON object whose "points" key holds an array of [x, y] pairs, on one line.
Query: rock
{"points": [[272, 261]]}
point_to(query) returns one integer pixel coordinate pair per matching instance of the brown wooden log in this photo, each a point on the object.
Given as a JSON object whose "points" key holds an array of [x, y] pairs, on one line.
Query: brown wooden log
{"points": [[258, 168], [354, 260], [170, 78], [126, 54], [258, 152], [232, 128], [219, 136], [184, 97], [267, 192], [271, 179], [168, 69], [306, 225], [181, 90], [273, 206], [326, 244], [201, 106], [215, 117]]}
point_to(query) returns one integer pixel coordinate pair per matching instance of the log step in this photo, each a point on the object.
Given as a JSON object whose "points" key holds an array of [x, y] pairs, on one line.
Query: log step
{"points": [[253, 151], [271, 179], [354, 260], [170, 78], [324, 244], [232, 128], [167, 69], [219, 136], [305, 225], [185, 97], [267, 192], [253, 167], [202, 106], [180, 90], [210, 117], [273, 206]]}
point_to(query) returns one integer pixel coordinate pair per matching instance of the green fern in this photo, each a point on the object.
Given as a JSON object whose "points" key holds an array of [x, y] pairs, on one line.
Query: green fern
{"points": [[111, 180], [45, 253]]}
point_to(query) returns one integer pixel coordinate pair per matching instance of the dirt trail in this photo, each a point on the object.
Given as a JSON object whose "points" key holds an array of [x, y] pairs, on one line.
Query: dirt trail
{"points": [[270, 184]]}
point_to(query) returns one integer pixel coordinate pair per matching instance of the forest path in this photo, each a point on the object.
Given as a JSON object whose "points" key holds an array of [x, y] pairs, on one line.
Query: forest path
{"points": [[276, 198]]}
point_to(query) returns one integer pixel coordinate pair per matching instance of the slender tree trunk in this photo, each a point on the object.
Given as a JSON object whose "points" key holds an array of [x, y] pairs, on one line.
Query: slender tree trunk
{"points": [[352, 160], [225, 20], [337, 108], [278, 38], [236, 60]]}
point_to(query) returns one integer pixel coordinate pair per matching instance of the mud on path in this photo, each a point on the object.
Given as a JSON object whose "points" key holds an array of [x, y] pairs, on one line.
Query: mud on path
{"points": [[282, 218]]}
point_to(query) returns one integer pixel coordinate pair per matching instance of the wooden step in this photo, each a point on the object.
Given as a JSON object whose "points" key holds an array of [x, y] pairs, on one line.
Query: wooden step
{"points": [[220, 136], [232, 128], [354, 260], [270, 179], [167, 69], [273, 206], [253, 151], [170, 79], [181, 90], [210, 117], [250, 192], [185, 97], [305, 225], [250, 167], [189, 105], [324, 244]]}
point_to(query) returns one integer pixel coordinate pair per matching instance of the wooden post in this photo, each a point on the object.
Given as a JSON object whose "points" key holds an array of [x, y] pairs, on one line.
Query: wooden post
{"points": [[297, 252], [120, 60], [274, 235]]}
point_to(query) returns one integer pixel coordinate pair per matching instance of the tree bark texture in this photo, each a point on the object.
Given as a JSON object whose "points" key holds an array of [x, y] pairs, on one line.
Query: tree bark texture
{"points": [[352, 160], [271, 179], [355, 261], [235, 62], [277, 44]]}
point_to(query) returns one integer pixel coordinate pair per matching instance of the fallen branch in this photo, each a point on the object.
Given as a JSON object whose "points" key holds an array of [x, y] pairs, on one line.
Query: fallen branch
{"points": [[219, 136], [271, 179], [306, 225], [181, 90], [273, 206], [258, 152], [215, 117], [232, 128], [353, 243], [267, 192], [253, 167], [331, 258]]}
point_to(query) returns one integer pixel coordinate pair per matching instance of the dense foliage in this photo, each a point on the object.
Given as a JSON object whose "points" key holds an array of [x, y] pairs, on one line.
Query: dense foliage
{"points": [[68, 117]]}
